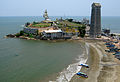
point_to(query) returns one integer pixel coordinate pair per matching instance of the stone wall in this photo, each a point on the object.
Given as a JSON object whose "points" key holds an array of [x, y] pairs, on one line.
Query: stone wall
{"points": [[30, 30]]}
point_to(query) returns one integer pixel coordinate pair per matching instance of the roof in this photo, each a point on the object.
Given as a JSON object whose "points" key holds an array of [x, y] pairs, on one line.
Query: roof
{"points": [[118, 34], [53, 31], [97, 4], [29, 28], [47, 21]]}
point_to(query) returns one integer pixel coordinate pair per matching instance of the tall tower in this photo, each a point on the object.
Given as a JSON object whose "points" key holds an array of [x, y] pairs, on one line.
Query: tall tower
{"points": [[95, 26]]}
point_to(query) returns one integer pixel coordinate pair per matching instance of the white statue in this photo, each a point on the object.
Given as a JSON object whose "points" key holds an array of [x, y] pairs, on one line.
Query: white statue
{"points": [[45, 15]]}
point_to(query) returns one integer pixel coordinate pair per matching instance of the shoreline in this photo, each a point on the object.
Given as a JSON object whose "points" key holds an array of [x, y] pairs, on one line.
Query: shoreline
{"points": [[103, 66], [67, 74], [93, 63], [117, 67], [29, 38], [99, 62]]}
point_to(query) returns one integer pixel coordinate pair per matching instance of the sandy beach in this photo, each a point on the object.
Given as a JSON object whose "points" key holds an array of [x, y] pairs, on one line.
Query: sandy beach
{"points": [[104, 67]]}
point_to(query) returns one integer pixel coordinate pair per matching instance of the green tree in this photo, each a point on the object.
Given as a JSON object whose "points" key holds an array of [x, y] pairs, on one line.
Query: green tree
{"points": [[70, 20], [21, 32], [26, 24], [17, 35], [82, 30]]}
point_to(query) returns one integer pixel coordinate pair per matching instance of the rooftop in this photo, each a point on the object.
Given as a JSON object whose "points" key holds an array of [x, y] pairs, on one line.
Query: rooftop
{"points": [[53, 31], [96, 4]]}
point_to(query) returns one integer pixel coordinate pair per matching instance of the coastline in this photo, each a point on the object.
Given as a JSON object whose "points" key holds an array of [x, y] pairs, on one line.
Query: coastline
{"points": [[93, 63], [67, 74], [3, 32], [104, 67]]}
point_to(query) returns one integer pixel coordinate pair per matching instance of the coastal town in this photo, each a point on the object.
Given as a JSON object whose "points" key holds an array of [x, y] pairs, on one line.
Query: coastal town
{"points": [[104, 45]]}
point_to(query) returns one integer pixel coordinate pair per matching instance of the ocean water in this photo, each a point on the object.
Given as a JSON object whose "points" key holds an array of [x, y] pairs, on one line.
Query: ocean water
{"points": [[41, 61], [113, 23]]}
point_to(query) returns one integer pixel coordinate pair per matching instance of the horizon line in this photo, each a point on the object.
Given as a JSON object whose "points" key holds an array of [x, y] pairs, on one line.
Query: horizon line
{"points": [[55, 16]]}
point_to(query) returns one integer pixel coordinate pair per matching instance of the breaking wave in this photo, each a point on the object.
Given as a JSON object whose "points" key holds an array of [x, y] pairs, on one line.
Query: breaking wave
{"points": [[67, 74]]}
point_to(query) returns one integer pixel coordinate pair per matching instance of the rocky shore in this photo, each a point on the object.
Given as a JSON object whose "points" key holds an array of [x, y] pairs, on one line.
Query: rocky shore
{"points": [[39, 38], [21, 37]]}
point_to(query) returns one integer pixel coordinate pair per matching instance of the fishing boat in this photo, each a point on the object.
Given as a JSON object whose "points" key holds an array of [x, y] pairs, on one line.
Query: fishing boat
{"points": [[82, 74], [84, 65]]}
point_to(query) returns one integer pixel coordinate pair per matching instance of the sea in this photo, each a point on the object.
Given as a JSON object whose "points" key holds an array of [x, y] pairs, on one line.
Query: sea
{"points": [[42, 61]]}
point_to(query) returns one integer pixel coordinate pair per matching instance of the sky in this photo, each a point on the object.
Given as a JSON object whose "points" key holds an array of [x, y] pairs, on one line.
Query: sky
{"points": [[57, 7]]}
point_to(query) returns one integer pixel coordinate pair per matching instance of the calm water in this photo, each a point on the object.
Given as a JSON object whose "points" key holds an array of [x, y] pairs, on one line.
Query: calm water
{"points": [[32, 61]]}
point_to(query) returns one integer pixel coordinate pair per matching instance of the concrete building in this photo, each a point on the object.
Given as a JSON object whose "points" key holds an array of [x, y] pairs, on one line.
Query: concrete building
{"points": [[52, 34], [106, 31], [30, 30], [37, 30], [95, 26]]}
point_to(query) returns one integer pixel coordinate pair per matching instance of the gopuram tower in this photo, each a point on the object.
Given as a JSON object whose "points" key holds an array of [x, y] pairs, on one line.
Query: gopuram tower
{"points": [[95, 26]]}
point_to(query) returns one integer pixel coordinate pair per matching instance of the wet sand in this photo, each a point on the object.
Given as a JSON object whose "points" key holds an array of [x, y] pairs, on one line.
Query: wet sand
{"points": [[104, 67]]}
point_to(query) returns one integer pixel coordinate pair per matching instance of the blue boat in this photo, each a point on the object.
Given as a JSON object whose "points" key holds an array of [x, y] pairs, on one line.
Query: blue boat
{"points": [[82, 74], [115, 41], [111, 46], [84, 65], [117, 53], [107, 44]]}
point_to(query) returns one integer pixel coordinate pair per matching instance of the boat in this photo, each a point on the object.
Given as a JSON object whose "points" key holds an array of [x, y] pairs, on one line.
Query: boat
{"points": [[84, 65], [117, 53], [82, 74]]}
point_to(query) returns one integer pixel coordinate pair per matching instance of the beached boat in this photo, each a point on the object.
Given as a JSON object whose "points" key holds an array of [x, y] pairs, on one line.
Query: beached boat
{"points": [[111, 46], [117, 56], [84, 65], [117, 53], [82, 74]]}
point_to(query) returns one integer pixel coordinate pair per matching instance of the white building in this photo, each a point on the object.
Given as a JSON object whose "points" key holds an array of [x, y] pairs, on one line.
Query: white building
{"points": [[53, 34]]}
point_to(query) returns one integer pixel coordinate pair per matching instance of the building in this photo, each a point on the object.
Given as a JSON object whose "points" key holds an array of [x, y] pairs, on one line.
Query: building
{"points": [[95, 25], [85, 21], [30, 30], [37, 30], [45, 32], [52, 34], [116, 35], [87, 30], [106, 31]]}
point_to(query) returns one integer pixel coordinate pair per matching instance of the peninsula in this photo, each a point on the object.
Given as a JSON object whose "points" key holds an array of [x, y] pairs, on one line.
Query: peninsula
{"points": [[51, 30]]}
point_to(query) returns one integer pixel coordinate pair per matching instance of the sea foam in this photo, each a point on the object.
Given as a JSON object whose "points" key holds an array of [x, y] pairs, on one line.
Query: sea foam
{"points": [[67, 74]]}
